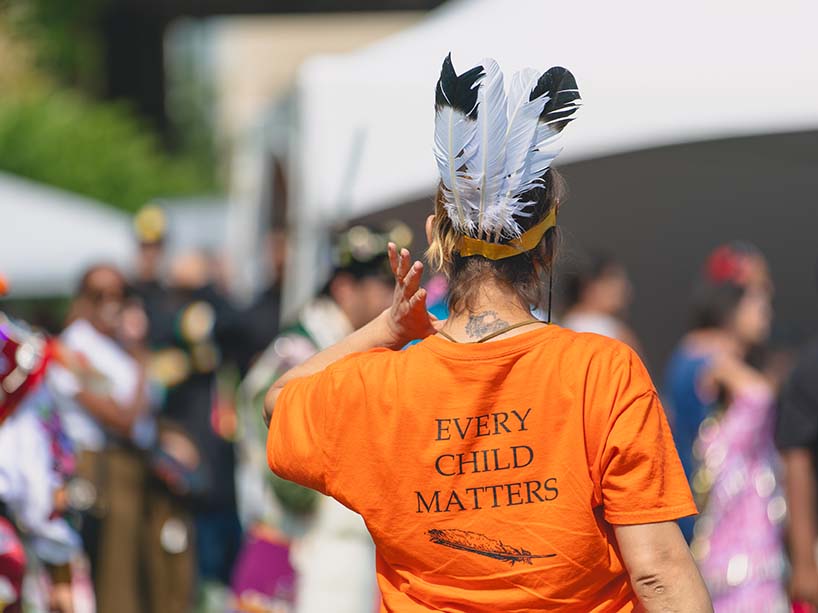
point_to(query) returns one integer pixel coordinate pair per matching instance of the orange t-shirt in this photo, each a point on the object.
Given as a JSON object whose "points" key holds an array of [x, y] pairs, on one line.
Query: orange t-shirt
{"points": [[489, 474]]}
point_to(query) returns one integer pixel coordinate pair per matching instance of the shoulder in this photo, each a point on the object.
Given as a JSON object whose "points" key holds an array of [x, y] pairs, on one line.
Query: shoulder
{"points": [[77, 332], [608, 370], [368, 362], [587, 347], [594, 322], [685, 367], [81, 336], [370, 374]]}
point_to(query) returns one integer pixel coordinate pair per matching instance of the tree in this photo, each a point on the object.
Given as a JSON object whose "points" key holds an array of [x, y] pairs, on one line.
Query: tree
{"points": [[99, 150], [52, 133]]}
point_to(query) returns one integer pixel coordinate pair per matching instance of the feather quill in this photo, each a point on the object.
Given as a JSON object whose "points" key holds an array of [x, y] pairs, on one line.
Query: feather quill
{"points": [[491, 133], [523, 113], [491, 148], [455, 134], [474, 542], [559, 88]]}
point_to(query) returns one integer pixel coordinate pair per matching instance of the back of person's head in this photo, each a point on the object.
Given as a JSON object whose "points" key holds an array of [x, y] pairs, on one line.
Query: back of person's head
{"points": [[496, 204], [714, 304], [361, 283], [598, 265], [522, 274], [734, 293]]}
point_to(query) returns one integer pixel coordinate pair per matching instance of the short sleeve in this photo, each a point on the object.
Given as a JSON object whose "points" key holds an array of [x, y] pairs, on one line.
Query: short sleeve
{"points": [[297, 442], [797, 425], [641, 476], [320, 425], [62, 381]]}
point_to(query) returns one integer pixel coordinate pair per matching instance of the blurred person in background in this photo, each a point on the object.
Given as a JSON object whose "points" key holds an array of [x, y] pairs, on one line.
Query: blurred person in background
{"points": [[150, 229], [100, 414], [36, 462], [333, 553], [262, 317], [170, 566], [797, 439], [722, 412], [191, 334], [597, 297]]}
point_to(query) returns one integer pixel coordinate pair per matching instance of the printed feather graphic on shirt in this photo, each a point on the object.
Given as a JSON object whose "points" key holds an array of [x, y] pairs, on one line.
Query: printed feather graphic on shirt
{"points": [[473, 542]]}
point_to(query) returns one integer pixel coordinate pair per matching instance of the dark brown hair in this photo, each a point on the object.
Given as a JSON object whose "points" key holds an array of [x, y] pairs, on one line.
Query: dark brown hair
{"points": [[523, 274], [81, 300]]}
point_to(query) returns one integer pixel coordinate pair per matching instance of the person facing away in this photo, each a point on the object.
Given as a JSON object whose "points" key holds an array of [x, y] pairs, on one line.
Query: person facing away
{"points": [[597, 297], [722, 414], [501, 464]]}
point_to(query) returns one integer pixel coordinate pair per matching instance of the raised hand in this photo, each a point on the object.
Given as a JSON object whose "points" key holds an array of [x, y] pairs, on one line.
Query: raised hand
{"points": [[408, 318]]}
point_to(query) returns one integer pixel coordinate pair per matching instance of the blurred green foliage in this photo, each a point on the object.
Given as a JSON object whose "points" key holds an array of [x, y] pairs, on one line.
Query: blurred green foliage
{"points": [[65, 37], [100, 150], [53, 131]]}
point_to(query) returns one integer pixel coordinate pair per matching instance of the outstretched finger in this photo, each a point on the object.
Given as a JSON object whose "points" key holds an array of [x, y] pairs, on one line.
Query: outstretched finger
{"points": [[392, 251], [418, 299], [411, 282], [403, 264]]}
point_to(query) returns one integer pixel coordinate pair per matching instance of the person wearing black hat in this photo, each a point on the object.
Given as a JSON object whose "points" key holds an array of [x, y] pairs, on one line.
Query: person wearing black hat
{"points": [[335, 562]]}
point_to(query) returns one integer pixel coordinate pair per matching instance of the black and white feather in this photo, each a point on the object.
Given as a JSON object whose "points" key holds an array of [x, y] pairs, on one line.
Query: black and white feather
{"points": [[455, 142], [492, 147]]}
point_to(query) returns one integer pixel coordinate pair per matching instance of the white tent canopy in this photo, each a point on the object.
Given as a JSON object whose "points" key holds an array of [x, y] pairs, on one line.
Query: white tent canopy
{"points": [[650, 74], [49, 236]]}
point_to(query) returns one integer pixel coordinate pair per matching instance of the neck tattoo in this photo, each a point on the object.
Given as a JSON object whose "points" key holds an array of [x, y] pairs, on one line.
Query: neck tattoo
{"points": [[481, 324]]}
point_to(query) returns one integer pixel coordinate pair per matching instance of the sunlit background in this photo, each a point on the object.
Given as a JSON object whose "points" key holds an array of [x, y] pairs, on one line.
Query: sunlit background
{"points": [[260, 128], [235, 117]]}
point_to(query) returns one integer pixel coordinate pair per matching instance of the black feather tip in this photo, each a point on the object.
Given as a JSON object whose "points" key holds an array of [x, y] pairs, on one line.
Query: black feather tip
{"points": [[458, 91], [563, 96]]}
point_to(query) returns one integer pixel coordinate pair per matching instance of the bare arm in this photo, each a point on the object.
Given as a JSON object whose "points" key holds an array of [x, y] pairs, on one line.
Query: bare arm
{"points": [[114, 415], [406, 320], [662, 571], [802, 529], [109, 412]]}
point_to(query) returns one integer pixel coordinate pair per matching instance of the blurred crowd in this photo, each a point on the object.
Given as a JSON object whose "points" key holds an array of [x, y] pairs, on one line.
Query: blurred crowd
{"points": [[150, 490], [133, 473]]}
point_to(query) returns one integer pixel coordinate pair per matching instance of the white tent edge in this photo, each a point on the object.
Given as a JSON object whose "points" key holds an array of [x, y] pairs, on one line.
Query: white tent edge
{"points": [[651, 76]]}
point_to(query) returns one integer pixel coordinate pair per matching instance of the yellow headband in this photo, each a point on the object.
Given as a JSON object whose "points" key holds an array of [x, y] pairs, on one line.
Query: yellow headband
{"points": [[525, 242]]}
